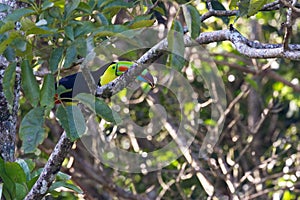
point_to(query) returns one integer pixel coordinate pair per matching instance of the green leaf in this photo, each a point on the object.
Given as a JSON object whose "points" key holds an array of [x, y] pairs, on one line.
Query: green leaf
{"points": [[47, 91], [69, 32], [113, 5], [249, 79], [9, 83], [63, 176], [12, 36], [15, 172], [176, 46], [142, 23], [243, 7], [25, 168], [7, 27], [278, 86], [21, 191], [216, 5], [10, 54], [70, 186], [85, 28], [31, 131], [17, 14], [192, 19], [9, 187], [4, 7], [19, 44], [72, 121], [70, 7], [85, 7], [255, 6], [102, 19], [70, 57], [110, 30], [233, 4], [55, 58], [41, 31], [47, 4], [210, 122], [29, 84], [99, 107], [81, 46]]}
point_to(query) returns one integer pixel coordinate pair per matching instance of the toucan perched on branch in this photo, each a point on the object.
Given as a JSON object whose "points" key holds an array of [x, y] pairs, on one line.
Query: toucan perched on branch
{"points": [[75, 83]]}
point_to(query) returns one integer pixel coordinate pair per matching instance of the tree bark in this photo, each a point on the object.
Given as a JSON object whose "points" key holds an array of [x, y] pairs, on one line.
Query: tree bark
{"points": [[8, 117]]}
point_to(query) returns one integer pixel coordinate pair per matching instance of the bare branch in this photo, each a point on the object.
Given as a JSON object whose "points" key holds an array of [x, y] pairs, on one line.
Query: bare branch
{"points": [[252, 49], [291, 6], [288, 25], [224, 13]]}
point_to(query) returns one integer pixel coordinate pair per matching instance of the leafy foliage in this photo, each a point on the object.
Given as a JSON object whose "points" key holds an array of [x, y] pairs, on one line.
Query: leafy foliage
{"points": [[18, 177]]}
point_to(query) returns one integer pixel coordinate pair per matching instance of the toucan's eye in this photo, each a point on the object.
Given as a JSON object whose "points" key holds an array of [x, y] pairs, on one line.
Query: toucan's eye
{"points": [[113, 67]]}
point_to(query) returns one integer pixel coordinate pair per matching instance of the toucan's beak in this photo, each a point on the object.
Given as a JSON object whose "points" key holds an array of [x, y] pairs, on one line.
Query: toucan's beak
{"points": [[121, 70], [145, 77], [148, 78]]}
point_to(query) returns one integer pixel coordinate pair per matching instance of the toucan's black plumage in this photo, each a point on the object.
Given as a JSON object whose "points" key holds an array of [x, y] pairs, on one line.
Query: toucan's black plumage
{"points": [[75, 84]]}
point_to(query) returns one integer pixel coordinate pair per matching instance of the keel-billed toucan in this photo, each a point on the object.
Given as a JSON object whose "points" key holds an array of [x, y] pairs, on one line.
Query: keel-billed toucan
{"points": [[75, 83]]}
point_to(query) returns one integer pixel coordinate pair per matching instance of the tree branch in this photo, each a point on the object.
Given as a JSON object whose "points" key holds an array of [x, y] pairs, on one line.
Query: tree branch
{"points": [[288, 27], [8, 116], [252, 49], [51, 168], [225, 13]]}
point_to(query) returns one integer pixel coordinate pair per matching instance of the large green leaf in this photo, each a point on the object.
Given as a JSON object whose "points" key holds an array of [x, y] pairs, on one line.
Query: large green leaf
{"points": [[47, 91], [176, 46], [9, 188], [17, 14], [25, 168], [69, 32], [17, 175], [70, 186], [15, 172], [72, 121], [243, 7], [70, 7], [9, 83], [192, 19], [31, 131], [70, 56], [255, 6], [12, 37], [99, 107], [84, 28], [29, 84], [55, 58]]}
